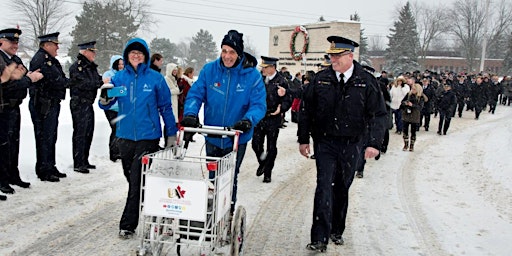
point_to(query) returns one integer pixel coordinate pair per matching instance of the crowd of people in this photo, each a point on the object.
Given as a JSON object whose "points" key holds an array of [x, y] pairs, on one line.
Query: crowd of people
{"points": [[343, 113]]}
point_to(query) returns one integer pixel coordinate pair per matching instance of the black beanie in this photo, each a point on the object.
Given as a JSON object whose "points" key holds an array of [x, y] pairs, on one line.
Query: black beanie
{"points": [[235, 41], [139, 47]]}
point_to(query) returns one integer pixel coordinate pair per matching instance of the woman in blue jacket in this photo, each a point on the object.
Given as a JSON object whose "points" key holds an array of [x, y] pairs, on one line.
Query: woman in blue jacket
{"points": [[144, 98]]}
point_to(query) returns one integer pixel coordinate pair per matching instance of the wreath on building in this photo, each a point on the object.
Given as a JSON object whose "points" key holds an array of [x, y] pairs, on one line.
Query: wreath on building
{"points": [[295, 54]]}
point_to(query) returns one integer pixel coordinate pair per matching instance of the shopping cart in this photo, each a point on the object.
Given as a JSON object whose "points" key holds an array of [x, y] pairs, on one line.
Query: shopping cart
{"points": [[181, 207]]}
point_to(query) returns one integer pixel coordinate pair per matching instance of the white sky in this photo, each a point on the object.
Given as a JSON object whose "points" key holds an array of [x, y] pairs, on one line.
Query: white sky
{"points": [[179, 20]]}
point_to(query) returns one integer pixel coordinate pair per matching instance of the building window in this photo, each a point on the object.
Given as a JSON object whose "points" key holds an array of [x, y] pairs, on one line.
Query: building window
{"points": [[276, 40]]}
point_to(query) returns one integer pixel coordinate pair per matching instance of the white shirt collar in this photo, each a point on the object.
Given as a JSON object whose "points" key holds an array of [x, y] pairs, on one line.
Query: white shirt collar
{"points": [[347, 74]]}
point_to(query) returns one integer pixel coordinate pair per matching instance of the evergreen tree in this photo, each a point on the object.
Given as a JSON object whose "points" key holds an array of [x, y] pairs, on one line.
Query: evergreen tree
{"points": [[202, 49], [402, 52], [363, 44], [164, 47], [110, 24]]}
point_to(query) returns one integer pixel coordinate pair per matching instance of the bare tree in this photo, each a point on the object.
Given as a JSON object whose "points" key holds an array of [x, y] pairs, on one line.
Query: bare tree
{"points": [[39, 17], [432, 21], [500, 27], [376, 43]]}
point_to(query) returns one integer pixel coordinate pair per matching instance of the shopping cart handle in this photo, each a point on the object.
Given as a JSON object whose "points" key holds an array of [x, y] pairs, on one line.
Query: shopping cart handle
{"points": [[213, 130]]}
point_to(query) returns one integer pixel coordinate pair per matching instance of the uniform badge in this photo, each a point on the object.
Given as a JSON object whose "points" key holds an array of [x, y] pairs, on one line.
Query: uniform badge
{"points": [[49, 63], [79, 68], [360, 85]]}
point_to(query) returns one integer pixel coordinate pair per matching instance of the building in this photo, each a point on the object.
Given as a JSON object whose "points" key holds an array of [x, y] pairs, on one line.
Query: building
{"points": [[302, 47]]}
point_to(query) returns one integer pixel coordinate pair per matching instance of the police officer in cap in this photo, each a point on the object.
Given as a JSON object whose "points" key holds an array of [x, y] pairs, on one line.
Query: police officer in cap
{"points": [[279, 100], [12, 94], [339, 104], [44, 105], [84, 81]]}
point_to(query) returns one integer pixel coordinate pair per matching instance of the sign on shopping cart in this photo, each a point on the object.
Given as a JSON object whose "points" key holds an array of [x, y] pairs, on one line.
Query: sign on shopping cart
{"points": [[172, 198]]}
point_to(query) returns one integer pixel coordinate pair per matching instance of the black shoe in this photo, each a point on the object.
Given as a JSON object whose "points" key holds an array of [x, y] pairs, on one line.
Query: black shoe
{"points": [[90, 166], [50, 178], [317, 246], [426, 129], [58, 174], [439, 132], [266, 180], [125, 234], [81, 170], [312, 157], [6, 189], [21, 184], [377, 157], [260, 170], [337, 239], [359, 174], [3, 198]]}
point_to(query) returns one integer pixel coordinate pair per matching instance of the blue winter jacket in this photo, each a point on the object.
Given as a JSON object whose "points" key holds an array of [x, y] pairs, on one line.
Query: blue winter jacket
{"points": [[148, 97], [229, 95]]}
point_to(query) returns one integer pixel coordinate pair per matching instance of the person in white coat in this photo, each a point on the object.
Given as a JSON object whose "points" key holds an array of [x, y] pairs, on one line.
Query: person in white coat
{"points": [[172, 77], [399, 89]]}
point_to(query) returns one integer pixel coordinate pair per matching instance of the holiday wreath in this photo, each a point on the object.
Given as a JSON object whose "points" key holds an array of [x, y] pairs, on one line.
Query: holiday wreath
{"points": [[298, 55]]}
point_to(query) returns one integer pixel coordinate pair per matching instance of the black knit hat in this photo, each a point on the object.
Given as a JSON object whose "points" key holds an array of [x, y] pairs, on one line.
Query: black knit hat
{"points": [[235, 41]]}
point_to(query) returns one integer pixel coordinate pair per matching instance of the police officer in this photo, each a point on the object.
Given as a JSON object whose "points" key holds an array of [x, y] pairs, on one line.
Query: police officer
{"points": [[279, 100], [12, 94], [84, 81], [339, 104], [44, 105]]}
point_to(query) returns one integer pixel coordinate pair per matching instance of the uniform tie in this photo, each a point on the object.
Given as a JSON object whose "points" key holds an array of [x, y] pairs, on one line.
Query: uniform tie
{"points": [[342, 81]]}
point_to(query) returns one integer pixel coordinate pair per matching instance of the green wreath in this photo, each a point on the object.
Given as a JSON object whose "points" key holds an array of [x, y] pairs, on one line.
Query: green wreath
{"points": [[295, 32]]}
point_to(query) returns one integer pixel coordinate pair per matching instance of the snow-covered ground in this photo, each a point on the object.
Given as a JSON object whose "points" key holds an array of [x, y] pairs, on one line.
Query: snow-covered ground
{"points": [[452, 196]]}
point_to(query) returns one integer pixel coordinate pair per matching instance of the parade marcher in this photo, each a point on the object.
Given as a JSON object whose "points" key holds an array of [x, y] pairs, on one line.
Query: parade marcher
{"points": [[398, 90], [116, 64], [12, 94], [447, 103], [173, 77], [84, 82], [44, 105], [184, 84], [426, 111], [279, 100], [233, 94], [139, 131], [461, 90], [339, 104], [507, 90], [157, 61], [493, 91], [477, 96], [411, 107]]}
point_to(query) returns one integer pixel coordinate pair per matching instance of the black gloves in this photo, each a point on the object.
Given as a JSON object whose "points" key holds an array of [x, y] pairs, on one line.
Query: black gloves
{"points": [[190, 121], [243, 125]]}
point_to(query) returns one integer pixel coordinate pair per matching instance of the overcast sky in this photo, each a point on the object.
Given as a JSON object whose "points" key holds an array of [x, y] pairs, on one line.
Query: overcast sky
{"points": [[180, 20]]}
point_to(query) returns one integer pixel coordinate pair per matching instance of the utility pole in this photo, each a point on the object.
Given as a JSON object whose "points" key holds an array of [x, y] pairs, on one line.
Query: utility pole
{"points": [[484, 42]]}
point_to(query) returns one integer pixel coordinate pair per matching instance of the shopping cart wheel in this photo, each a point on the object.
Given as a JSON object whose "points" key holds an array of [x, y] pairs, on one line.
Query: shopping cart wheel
{"points": [[237, 237]]}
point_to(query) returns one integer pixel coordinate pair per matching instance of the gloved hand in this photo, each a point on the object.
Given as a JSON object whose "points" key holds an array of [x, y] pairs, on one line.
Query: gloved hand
{"points": [[243, 125], [104, 98], [170, 142], [190, 121]]}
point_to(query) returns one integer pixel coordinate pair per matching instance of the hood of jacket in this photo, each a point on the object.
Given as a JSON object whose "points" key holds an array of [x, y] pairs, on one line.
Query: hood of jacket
{"points": [[169, 68], [140, 45]]}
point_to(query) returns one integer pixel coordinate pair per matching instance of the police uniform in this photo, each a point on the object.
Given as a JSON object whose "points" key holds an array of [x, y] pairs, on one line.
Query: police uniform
{"points": [[269, 126], [84, 81], [12, 94], [44, 106], [336, 112]]}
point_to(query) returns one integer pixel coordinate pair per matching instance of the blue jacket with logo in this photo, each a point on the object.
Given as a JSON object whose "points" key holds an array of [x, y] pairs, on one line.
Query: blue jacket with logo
{"points": [[148, 97], [229, 95]]}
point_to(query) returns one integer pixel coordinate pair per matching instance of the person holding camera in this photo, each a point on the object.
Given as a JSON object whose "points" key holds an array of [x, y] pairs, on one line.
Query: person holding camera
{"points": [[411, 107], [233, 94]]}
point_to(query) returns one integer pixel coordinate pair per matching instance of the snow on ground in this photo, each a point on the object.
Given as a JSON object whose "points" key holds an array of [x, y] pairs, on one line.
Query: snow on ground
{"points": [[452, 196]]}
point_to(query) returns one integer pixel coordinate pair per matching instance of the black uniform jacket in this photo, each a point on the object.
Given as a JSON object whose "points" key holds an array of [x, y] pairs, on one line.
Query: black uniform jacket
{"points": [[274, 100], [13, 92], [54, 83], [335, 110], [84, 80]]}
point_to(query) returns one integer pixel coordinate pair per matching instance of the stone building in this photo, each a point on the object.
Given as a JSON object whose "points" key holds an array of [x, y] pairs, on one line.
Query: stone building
{"points": [[308, 43]]}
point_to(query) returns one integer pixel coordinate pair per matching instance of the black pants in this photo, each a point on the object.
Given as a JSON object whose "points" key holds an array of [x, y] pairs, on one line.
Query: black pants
{"points": [[258, 140], [82, 115], [460, 107], [112, 144], [132, 153], [4, 148], [45, 130], [10, 142], [336, 160], [406, 130], [444, 121]]}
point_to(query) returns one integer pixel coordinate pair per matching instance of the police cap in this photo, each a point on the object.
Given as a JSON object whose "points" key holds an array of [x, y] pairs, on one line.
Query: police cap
{"points": [[368, 68], [268, 61], [53, 37], [327, 61], [87, 46], [12, 34], [340, 44]]}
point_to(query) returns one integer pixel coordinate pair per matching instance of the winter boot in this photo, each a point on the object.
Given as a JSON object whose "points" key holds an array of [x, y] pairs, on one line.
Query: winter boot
{"points": [[411, 148], [406, 143]]}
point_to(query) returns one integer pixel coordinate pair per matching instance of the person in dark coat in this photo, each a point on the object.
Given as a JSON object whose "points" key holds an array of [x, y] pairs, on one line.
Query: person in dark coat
{"points": [[12, 94], [340, 102], [44, 105], [461, 90], [426, 111], [83, 85], [477, 96], [447, 103], [279, 100], [411, 107], [493, 91]]}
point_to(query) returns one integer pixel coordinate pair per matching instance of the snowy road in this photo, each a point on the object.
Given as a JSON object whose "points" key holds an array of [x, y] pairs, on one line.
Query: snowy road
{"points": [[452, 196]]}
